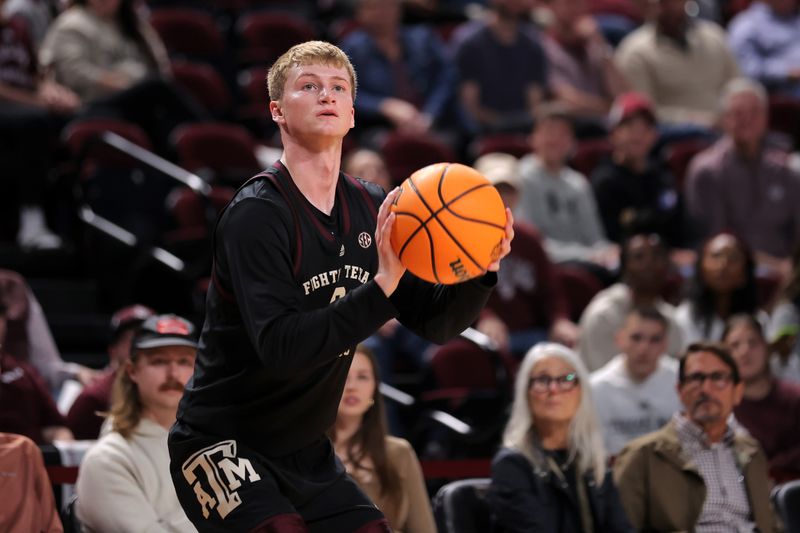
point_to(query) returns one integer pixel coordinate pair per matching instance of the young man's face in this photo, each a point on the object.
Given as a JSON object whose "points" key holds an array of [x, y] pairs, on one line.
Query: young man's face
{"points": [[161, 374], [643, 342], [317, 101], [634, 138], [553, 140]]}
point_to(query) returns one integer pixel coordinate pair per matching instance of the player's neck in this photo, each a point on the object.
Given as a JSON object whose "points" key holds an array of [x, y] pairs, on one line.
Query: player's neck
{"points": [[315, 173]]}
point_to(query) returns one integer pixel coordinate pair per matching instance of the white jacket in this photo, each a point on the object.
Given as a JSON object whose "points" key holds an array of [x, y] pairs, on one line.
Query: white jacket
{"points": [[124, 484]]}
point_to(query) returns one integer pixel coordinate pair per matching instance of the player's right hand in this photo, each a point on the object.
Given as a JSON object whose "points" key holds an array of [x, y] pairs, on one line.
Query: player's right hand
{"points": [[390, 269]]}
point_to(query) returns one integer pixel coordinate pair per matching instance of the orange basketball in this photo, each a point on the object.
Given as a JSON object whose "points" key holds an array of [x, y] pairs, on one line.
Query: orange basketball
{"points": [[449, 223]]}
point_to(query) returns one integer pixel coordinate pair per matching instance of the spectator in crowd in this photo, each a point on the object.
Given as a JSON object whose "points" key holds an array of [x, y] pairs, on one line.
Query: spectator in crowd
{"points": [[87, 413], [404, 78], [764, 39], [634, 189], [26, 407], [124, 483], [784, 326], [644, 265], [744, 185], [681, 63], [551, 473], [557, 200], [28, 502], [581, 71], [502, 69], [115, 62], [37, 14], [699, 472], [384, 467], [635, 391], [32, 109], [724, 284], [29, 338], [368, 165], [528, 304], [770, 407]]}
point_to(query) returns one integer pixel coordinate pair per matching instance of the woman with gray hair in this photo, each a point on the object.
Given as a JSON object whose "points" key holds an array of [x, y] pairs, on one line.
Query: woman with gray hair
{"points": [[550, 474]]}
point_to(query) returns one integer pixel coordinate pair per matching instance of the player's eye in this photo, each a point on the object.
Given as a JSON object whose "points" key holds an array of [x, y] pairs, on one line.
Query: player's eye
{"points": [[309, 86]]}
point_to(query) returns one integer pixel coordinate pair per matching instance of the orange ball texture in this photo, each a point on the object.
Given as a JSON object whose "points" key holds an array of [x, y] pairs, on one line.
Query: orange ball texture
{"points": [[449, 223]]}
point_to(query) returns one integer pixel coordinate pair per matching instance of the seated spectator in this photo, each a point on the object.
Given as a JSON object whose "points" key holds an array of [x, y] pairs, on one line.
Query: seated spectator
{"points": [[634, 189], [644, 265], [784, 326], [724, 285], [681, 63], [29, 337], [115, 62], [369, 166], [528, 304], [28, 503], [502, 69], [770, 407], [37, 14], [384, 467], [557, 200], [764, 39], [550, 474], [635, 391], [743, 185], [404, 78], [87, 413], [698, 472], [124, 482], [26, 407], [32, 109], [581, 72]]}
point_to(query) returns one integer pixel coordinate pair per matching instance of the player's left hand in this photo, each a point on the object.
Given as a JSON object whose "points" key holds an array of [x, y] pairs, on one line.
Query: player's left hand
{"points": [[505, 244]]}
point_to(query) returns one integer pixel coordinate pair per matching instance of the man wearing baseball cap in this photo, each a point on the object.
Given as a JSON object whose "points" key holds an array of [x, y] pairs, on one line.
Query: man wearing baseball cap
{"points": [[83, 418], [124, 482]]}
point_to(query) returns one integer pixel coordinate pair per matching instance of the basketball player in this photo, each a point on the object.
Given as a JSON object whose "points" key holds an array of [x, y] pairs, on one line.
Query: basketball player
{"points": [[301, 275]]}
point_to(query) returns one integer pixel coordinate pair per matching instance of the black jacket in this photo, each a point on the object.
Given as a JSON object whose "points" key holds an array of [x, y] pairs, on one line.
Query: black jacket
{"points": [[525, 500]]}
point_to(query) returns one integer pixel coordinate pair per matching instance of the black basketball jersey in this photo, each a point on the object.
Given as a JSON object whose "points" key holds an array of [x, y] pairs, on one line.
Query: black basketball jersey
{"points": [[292, 293]]}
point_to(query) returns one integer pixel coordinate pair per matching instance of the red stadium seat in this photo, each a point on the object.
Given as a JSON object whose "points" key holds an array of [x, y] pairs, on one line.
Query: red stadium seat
{"points": [[679, 155], [81, 137], [405, 153], [784, 116], [589, 153], [266, 35], [203, 82], [579, 286], [517, 145], [226, 151], [188, 32]]}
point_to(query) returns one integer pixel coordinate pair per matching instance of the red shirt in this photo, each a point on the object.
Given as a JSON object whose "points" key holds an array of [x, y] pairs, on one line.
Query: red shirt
{"points": [[82, 418], [26, 406]]}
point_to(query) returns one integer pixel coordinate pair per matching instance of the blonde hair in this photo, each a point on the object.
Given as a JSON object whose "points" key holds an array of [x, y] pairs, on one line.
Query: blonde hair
{"points": [[585, 438], [126, 406], [308, 53]]}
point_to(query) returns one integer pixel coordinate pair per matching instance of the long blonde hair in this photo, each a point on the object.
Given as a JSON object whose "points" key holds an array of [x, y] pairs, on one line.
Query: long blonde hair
{"points": [[126, 407], [585, 438]]}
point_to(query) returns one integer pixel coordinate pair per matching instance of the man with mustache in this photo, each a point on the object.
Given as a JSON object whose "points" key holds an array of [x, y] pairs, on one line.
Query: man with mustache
{"points": [[124, 482], [701, 472]]}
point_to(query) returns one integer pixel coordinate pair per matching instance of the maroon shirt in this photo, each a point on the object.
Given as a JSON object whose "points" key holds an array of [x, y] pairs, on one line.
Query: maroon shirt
{"points": [[26, 406], [528, 294], [774, 421], [82, 418], [17, 60]]}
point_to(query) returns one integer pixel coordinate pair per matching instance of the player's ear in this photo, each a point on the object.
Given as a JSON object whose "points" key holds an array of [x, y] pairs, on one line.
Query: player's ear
{"points": [[352, 118], [276, 112]]}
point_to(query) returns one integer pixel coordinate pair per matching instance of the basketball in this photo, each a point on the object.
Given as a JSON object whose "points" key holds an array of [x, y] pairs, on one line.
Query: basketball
{"points": [[449, 223]]}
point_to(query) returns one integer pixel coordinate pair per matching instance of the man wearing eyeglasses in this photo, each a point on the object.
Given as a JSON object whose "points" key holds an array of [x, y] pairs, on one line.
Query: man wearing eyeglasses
{"points": [[701, 471]]}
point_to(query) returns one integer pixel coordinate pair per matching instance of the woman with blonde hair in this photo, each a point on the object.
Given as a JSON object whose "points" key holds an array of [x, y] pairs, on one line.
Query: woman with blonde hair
{"points": [[384, 467], [551, 475]]}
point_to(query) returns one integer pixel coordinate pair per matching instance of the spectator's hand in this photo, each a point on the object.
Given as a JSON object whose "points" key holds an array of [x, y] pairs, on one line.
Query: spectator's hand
{"points": [[86, 375], [404, 116], [57, 97], [51, 434], [390, 269], [115, 81], [495, 329], [505, 244], [564, 331]]}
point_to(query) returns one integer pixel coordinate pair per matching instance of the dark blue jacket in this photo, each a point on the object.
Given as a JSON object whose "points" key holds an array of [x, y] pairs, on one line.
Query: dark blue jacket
{"points": [[524, 500]]}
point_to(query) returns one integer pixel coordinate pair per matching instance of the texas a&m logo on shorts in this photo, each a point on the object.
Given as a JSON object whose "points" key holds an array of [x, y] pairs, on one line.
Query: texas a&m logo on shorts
{"points": [[214, 473]]}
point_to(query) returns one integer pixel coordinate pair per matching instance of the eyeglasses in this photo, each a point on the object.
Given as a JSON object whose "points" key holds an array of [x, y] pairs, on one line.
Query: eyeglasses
{"points": [[563, 383], [719, 380]]}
